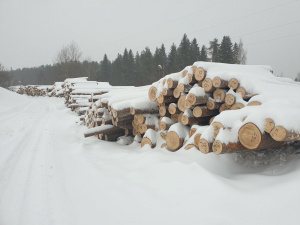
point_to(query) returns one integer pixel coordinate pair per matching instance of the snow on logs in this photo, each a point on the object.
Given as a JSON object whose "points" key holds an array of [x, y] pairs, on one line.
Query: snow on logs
{"points": [[240, 103]]}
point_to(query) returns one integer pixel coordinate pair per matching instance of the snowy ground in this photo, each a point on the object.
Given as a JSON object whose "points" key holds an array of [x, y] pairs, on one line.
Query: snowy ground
{"points": [[50, 174]]}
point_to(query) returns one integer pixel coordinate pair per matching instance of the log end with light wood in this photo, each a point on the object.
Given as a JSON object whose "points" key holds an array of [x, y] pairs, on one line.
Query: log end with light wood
{"points": [[147, 141], [189, 146], [237, 106], [221, 148], [208, 85], [211, 104], [219, 83], [152, 93], [279, 133], [269, 125], [204, 146], [217, 126], [219, 95], [172, 83], [250, 136], [230, 99], [200, 74], [176, 93], [181, 103], [174, 142], [224, 107], [233, 83]]}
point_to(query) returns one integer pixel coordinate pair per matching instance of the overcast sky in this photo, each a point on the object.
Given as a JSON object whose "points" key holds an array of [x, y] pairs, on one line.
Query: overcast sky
{"points": [[33, 31]]}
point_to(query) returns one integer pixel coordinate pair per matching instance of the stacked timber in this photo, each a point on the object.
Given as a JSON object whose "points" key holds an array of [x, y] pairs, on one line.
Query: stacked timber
{"points": [[34, 90], [221, 108], [127, 109]]}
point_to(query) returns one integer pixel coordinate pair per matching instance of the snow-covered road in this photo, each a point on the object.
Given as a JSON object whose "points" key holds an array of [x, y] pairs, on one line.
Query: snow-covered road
{"points": [[50, 174]]}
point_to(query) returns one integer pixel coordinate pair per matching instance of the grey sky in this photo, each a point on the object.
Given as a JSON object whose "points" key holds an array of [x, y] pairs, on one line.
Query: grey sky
{"points": [[33, 31]]}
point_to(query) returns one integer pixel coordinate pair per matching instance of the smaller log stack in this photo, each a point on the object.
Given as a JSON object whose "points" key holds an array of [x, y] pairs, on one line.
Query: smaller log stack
{"points": [[34, 90]]}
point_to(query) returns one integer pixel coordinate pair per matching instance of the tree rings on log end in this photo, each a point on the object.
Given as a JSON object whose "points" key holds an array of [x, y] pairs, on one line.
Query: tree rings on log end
{"points": [[217, 147], [181, 103], [204, 146], [269, 125], [219, 95], [173, 141], [147, 141], [176, 93], [152, 94], [250, 136], [233, 83], [242, 91], [229, 99], [197, 138], [171, 83], [200, 74], [191, 98], [219, 83], [278, 133], [184, 73], [224, 107], [207, 85], [197, 111]]}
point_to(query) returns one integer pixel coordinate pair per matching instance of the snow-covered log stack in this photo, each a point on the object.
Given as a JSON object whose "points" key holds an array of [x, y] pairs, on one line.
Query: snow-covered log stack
{"points": [[128, 109], [34, 90], [230, 108]]}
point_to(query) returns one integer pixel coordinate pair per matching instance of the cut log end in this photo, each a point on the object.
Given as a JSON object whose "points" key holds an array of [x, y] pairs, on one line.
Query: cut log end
{"points": [[200, 74], [152, 94], [279, 133], [269, 125], [229, 99], [233, 83], [250, 136], [147, 141], [204, 146], [174, 142]]}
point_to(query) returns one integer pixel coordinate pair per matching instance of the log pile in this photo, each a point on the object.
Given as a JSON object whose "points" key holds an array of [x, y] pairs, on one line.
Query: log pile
{"points": [[34, 90], [211, 107]]}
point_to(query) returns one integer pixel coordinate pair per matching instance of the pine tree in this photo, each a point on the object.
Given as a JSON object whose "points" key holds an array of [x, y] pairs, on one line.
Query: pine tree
{"points": [[104, 70], [172, 61], [203, 54], [194, 52], [226, 53], [137, 74], [160, 61], [214, 50], [184, 52]]}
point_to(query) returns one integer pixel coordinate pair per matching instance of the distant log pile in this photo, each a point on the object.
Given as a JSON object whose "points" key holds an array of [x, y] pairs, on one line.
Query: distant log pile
{"points": [[34, 90]]}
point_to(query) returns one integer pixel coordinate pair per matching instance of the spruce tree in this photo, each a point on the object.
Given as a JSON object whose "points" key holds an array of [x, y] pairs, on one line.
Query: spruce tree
{"points": [[147, 66], [104, 70], [203, 54], [194, 52], [184, 58], [236, 53], [172, 61], [137, 74], [131, 68], [226, 53], [214, 50], [117, 76]]}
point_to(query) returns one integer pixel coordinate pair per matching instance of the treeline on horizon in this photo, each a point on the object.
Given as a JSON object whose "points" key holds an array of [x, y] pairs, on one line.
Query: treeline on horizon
{"points": [[128, 68]]}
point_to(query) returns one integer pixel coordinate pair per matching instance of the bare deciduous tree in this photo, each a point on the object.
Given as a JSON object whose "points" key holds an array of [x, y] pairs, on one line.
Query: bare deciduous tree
{"points": [[242, 53]]}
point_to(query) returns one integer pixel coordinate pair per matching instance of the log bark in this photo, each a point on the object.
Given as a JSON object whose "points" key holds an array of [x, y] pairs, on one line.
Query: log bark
{"points": [[120, 113], [134, 111], [203, 111], [185, 120], [280, 134], [200, 74], [167, 92], [233, 83], [208, 86], [221, 148], [114, 136], [175, 117], [174, 142], [166, 99], [192, 79], [101, 130], [184, 87], [219, 83]]}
